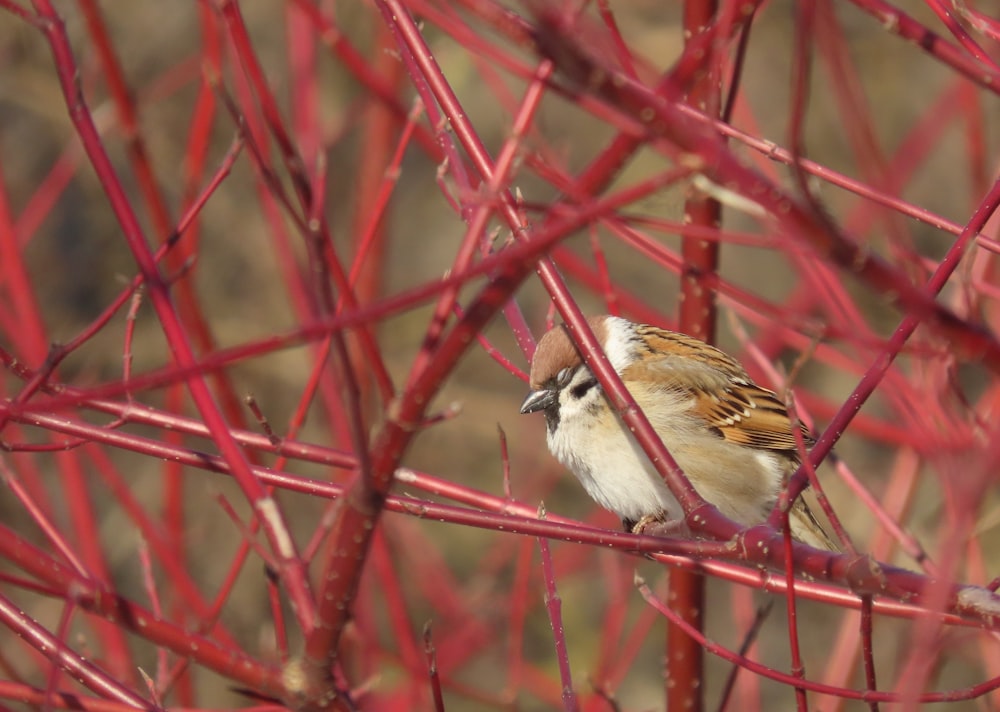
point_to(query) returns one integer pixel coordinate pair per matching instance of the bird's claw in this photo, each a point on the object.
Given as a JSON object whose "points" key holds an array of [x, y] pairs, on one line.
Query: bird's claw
{"points": [[656, 525]]}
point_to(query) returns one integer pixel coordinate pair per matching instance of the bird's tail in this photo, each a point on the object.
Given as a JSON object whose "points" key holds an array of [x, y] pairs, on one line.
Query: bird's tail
{"points": [[807, 529]]}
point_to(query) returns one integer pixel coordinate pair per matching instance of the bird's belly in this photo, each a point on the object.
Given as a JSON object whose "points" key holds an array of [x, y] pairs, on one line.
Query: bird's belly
{"points": [[615, 472]]}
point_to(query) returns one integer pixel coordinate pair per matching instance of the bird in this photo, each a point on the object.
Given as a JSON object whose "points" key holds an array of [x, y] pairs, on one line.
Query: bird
{"points": [[733, 439]]}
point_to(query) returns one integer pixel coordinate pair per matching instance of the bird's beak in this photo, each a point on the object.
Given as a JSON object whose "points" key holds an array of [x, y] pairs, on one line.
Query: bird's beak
{"points": [[539, 400]]}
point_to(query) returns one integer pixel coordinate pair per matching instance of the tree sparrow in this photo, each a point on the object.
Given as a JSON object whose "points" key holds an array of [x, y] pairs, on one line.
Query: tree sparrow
{"points": [[732, 438]]}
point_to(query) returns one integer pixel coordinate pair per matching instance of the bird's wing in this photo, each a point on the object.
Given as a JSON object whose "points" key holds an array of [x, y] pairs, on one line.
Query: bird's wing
{"points": [[744, 413], [726, 399], [724, 396]]}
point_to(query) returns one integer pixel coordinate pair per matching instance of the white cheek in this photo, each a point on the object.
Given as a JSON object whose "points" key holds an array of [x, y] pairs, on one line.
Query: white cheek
{"points": [[619, 344]]}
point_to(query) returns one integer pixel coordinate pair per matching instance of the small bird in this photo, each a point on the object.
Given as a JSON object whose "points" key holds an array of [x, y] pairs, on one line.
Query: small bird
{"points": [[733, 439]]}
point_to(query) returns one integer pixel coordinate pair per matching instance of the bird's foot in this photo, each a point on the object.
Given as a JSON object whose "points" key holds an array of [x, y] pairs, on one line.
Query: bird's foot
{"points": [[658, 525]]}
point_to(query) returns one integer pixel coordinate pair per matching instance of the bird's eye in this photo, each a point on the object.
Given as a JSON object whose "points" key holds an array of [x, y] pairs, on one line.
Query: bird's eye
{"points": [[563, 377]]}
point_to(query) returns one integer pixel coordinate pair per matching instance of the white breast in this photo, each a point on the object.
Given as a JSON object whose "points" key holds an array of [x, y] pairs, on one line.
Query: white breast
{"points": [[592, 442]]}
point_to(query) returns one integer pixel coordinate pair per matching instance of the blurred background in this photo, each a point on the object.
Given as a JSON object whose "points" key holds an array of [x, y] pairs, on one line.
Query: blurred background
{"points": [[879, 109]]}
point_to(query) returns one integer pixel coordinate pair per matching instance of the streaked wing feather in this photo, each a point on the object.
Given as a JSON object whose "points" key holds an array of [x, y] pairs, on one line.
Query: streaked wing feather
{"points": [[738, 409], [749, 415]]}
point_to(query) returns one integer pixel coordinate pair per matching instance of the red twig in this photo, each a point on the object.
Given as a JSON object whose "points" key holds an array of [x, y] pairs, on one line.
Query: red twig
{"points": [[696, 316], [67, 659], [553, 606], [409, 164], [291, 566], [432, 670]]}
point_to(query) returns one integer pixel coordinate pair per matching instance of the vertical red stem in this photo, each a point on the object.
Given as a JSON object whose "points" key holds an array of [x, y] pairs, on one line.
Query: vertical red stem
{"points": [[697, 312]]}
